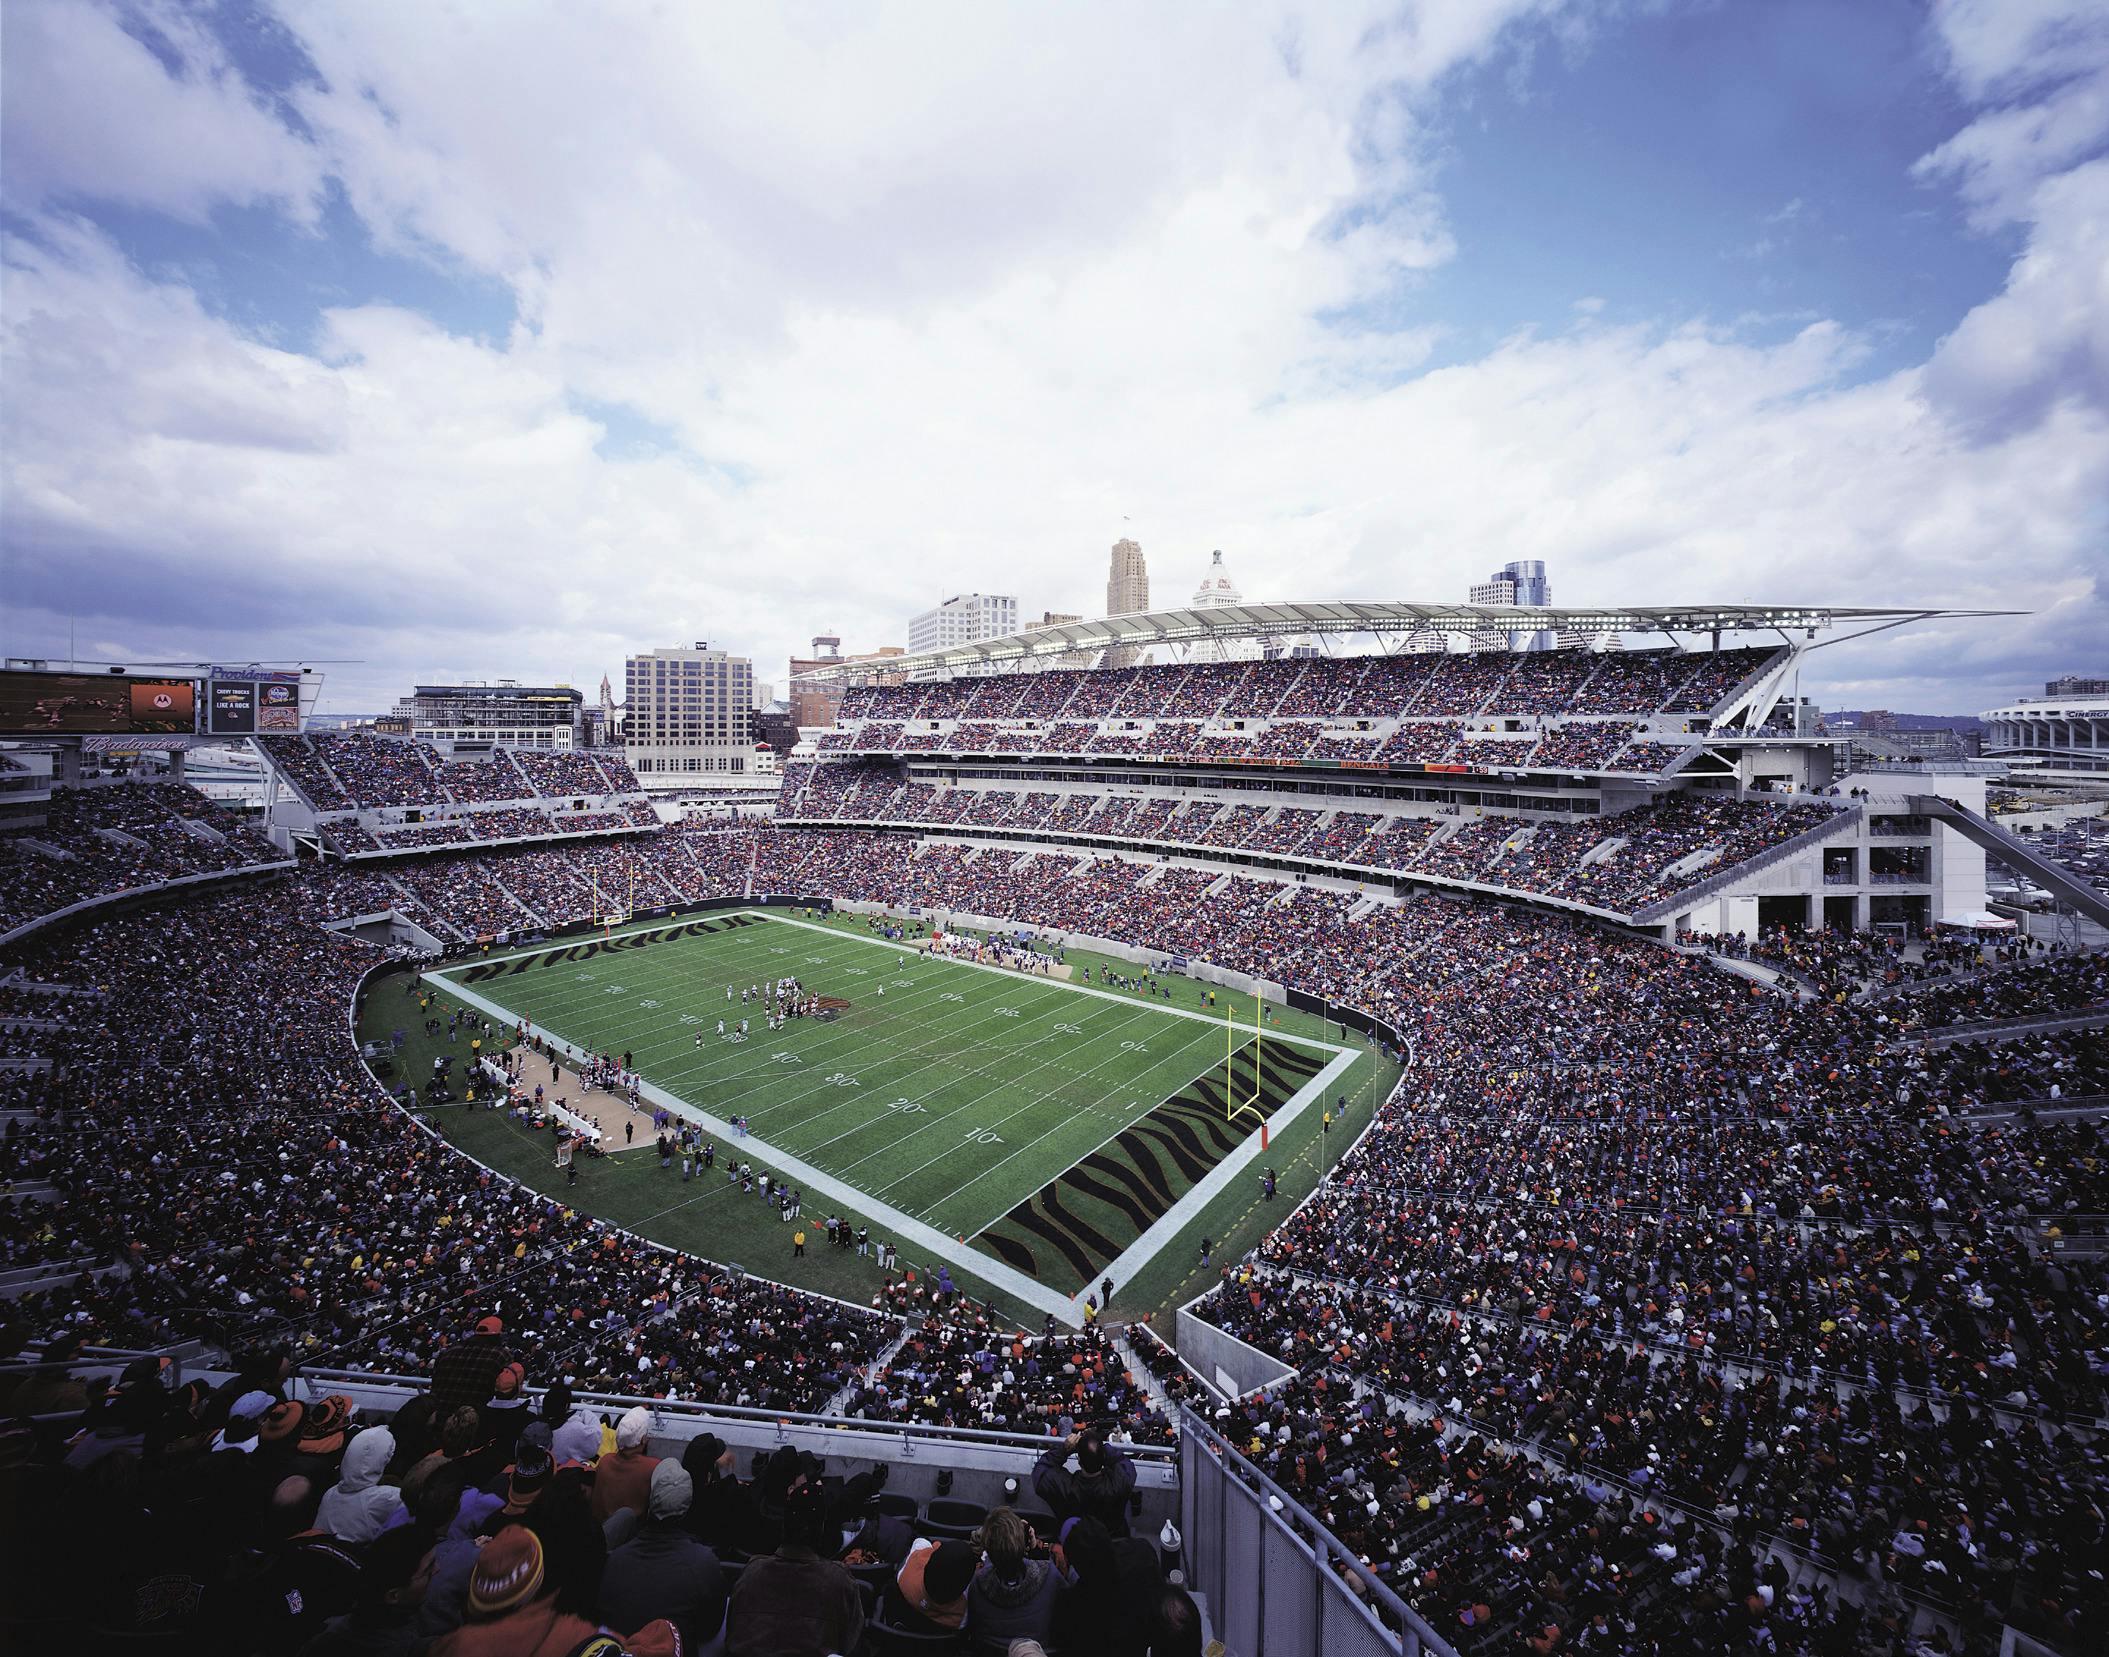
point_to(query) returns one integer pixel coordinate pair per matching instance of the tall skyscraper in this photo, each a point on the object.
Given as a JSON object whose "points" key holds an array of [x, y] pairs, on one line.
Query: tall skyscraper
{"points": [[689, 717], [1521, 581], [1127, 580], [965, 618], [1127, 594]]}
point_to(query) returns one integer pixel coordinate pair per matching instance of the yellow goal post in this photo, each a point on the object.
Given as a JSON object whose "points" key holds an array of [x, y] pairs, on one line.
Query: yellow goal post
{"points": [[1233, 1105]]}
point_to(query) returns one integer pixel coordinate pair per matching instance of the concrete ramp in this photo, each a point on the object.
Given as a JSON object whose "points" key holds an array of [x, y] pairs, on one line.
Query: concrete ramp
{"points": [[2054, 878]]}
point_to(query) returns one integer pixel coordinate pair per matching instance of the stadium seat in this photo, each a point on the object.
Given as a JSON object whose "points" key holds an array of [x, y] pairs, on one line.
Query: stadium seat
{"points": [[887, 1641], [946, 1510], [893, 1503]]}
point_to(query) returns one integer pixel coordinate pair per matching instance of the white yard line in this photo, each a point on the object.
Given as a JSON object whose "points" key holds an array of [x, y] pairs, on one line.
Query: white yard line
{"points": [[1038, 1099], [968, 1105], [1101, 1145], [936, 1243], [811, 1057], [811, 1180], [1079, 989], [556, 945], [1205, 1190]]}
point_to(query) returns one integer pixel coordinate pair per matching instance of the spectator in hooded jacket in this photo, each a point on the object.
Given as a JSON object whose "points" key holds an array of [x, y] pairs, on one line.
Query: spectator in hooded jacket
{"points": [[359, 1507], [662, 1571]]}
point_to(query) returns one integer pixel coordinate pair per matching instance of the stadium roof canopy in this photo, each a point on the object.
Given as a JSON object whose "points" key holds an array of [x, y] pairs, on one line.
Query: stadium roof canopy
{"points": [[1387, 619]]}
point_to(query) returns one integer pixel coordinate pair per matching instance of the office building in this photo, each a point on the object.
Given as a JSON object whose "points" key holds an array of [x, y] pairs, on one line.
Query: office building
{"points": [[1127, 593], [1521, 581], [688, 719], [964, 618], [817, 704], [1127, 580], [480, 713]]}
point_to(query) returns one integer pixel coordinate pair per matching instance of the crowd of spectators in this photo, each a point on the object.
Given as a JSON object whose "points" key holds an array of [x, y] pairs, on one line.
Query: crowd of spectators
{"points": [[563, 773], [1273, 710], [340, 770], [1619, 863], [469, 781], [511, 822], [2051, 986], [379, 770], [397, 836], [296, 759], [1749, 1260], [106, 840], [960, 1366], [1644, 1276]]}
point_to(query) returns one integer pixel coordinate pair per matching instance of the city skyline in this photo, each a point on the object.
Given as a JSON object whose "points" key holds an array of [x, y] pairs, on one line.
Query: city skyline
{"points": [[363, 333]]}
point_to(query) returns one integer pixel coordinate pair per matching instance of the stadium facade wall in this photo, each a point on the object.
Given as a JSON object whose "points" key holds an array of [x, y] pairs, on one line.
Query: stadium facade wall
{"points": [[1229, 1363]]}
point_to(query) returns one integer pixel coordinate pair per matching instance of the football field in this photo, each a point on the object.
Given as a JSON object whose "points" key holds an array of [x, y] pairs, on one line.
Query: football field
{"points": [[1050, 1126]]}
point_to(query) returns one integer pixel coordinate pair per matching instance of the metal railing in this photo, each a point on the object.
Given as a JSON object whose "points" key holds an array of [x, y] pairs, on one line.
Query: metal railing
{"points": [[1278, 1583]]}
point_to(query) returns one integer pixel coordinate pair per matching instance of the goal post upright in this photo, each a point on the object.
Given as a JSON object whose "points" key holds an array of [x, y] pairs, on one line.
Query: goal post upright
{"points": [[1233, 1107]]}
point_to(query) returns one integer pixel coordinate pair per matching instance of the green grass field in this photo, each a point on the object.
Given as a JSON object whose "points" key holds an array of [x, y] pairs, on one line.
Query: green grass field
{"points": [[1050, 1125]]}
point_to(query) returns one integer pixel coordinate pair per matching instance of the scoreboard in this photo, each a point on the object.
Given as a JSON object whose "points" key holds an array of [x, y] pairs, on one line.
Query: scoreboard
{"points": [[64, 704], [251, 702]]}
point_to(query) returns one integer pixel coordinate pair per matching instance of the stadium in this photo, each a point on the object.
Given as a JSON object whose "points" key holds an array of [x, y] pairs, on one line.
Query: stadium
{"points": [[1446, 1150]]}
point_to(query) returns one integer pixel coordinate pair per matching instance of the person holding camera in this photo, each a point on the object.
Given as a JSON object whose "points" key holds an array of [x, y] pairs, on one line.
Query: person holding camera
{"points": [[1099, 1488]]}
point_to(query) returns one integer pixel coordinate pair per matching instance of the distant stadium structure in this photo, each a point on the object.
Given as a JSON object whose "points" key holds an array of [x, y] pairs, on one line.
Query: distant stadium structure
{"points": [[1464, 1152]]}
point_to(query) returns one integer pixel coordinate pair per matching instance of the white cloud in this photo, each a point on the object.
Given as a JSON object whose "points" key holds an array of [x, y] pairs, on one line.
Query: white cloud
{"points": [[938, 305], [87, 111]]}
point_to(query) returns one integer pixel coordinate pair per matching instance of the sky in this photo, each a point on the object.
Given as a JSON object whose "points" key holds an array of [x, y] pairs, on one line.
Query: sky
{"points": [[478, 340]]}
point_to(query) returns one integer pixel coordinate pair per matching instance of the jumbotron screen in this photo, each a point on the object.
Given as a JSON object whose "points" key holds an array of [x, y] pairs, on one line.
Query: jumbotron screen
{"points": [[248, 701], [45, 704]]}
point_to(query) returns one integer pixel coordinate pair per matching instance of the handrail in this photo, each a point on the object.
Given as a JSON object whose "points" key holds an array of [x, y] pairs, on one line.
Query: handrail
{"points": [[1337, 1555], [742, 1412]]}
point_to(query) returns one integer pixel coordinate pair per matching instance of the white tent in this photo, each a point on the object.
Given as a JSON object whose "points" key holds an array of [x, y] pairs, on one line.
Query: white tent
{"points": [[1979, 921]]}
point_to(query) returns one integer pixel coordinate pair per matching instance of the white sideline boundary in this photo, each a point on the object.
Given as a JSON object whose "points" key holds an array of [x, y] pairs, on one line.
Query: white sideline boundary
{"points": [[931, 1242]]}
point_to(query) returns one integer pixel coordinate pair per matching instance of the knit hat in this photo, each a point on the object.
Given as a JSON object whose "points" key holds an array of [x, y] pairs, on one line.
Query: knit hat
{"points": [[634, 1428], [322, 1428], [280, 1422], [142, 1371], [672, 1490], [530, 1475], [949, 1572], [508, 1572]]}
